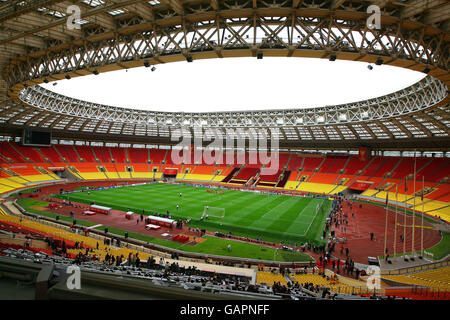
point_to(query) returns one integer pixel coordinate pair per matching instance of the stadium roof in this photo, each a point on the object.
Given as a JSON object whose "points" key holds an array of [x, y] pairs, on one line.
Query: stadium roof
{"points": [[37, 46]]}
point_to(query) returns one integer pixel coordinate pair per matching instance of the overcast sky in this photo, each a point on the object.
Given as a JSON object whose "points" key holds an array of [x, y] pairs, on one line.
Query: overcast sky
{"points": [[238, 84]]}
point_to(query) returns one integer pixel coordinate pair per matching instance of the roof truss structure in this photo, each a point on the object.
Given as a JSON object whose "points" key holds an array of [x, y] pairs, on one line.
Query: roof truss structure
{"points": [[35, 45]]}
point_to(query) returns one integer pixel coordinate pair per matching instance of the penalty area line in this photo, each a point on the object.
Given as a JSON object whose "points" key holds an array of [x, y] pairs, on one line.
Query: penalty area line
{"points": [[93, 227]]}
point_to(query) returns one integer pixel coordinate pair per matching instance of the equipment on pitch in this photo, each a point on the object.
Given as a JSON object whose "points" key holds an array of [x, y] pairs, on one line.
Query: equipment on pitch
{"points": [[214, 212]]}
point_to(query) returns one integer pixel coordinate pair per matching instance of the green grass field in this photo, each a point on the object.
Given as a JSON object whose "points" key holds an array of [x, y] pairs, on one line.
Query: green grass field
{"points": [[272, 217], [212, 245], [218, 246]]}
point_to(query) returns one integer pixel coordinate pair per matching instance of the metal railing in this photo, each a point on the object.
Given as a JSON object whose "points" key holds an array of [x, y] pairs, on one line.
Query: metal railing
{"points": [[416, 268]]}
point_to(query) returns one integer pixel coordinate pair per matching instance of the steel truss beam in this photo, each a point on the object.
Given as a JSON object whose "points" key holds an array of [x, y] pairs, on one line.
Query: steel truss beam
{"points": [[422, 95], [285, 35], [176, 30]]}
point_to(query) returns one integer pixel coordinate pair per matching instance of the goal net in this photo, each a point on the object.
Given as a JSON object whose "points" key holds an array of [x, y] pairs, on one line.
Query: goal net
{"points": [[213, 212]]}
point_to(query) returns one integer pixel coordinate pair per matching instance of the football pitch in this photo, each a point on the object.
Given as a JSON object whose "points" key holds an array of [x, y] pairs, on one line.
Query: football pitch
{"points": [[271, 217]]}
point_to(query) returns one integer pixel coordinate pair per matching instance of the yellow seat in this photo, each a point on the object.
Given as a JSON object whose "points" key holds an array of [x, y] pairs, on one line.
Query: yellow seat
{"points": [[269, 278]]}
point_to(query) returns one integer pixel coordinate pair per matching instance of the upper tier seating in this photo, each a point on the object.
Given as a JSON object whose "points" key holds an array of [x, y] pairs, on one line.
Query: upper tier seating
{"points": [[67, 152], [333, 164], [434, 170], [85, 153], [295, 162], [374, 165], [252, 160], [28, 152], [8, 152], [311, 163], [118, 154], [137, 155], [354, 165], [101, 153], [157, 155], [438, 169], [406, 167], [283, 160], [386, 166], [51, 154]]}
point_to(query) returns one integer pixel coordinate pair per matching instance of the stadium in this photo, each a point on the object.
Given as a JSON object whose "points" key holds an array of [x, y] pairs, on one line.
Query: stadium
{"points": [[344, 202]]}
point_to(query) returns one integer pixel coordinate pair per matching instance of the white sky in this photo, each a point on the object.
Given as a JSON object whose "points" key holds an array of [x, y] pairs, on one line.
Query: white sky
{"points": [[238, 84]]}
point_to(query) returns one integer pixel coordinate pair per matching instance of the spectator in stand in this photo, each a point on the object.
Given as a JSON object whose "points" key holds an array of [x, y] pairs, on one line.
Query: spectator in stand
{"points": [[138, 261]]}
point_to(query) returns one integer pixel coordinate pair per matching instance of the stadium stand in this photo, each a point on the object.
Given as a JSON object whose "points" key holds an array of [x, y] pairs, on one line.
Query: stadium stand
{"points": [[118, 154], [245, 174], [270, 278], [51, 154], [101, 154], [66, 152], [28, 153], [85, 153], [138, 155], [157, 155], [10, 154], [440, 276], [312, 163], [284, 179], [354, 165], [321, 174]]}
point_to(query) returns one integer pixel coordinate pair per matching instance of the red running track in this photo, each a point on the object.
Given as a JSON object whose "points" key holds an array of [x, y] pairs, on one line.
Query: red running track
{"points": [[371, 218]]}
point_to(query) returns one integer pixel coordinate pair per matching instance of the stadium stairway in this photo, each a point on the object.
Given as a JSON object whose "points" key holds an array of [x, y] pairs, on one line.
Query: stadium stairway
{"points": [[230, 176], [283, 180]]}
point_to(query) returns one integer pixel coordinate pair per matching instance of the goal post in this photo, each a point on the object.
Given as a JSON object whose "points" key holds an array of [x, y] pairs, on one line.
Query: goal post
{"points": [[214, 212]]}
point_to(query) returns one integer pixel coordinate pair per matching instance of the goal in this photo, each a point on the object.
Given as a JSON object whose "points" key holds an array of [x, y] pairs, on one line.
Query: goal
{"points": [[213, 212]]}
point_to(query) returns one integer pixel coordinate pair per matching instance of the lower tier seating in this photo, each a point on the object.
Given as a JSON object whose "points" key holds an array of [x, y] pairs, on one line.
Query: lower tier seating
{"points": [[270, 278]]}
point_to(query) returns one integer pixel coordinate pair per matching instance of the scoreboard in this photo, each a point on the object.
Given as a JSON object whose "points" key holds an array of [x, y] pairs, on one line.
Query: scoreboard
{"points": [[36, 138]]}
